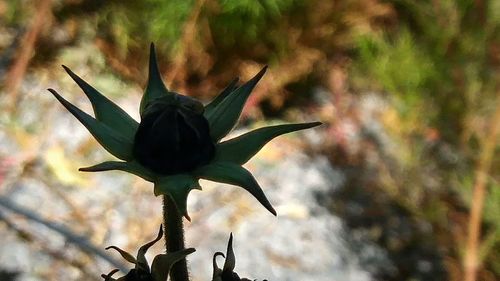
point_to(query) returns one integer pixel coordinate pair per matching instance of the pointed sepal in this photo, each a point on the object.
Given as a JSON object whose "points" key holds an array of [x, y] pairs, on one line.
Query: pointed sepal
{"points": [[142, 263], [155, 88], [226, 113], [220, 97], [230, 262], [230, 173], [240, 149], [105, 110], [130, 167], [128, 257], [112, 141], [162, 264], [178, 188]]}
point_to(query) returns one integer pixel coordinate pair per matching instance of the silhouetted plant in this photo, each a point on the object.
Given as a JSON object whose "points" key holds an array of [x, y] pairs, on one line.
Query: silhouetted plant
{"points": [[142, 272], [177, 142]]}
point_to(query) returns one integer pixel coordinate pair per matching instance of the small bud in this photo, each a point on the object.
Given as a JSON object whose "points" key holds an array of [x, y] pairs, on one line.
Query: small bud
{"points": [[173, 136], [227, 272], [158, 271]]}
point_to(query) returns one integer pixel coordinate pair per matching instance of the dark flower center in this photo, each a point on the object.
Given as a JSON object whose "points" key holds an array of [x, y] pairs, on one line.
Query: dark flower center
{"points": [[173, 136]]}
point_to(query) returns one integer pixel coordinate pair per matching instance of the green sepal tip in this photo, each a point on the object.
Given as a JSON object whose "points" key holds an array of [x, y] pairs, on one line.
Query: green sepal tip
{"points": [[105, 110], [240, 149], [223, 117], [220, 97], [230, 173], [155, 87], [129, 167], [111, 140]]}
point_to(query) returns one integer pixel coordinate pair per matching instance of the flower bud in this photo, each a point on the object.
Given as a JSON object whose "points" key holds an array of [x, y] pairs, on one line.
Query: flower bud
{"points": [[173, 136]]}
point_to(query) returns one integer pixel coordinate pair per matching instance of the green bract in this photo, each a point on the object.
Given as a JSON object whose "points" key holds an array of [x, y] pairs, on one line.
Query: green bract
{"points": [[159, 268], [115, 130]]}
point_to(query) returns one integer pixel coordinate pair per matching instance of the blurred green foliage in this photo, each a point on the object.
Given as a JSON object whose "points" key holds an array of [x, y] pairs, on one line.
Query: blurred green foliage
{"points": [[440, 56], [14, 12], [397, 66], [131, 23], [247, 21]]}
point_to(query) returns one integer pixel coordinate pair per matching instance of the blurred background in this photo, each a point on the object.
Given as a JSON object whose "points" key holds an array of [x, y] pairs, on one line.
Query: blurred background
{"points": [[400, 183]]}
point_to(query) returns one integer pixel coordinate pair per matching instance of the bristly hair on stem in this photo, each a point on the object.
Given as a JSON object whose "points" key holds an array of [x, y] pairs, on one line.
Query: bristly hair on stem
{"points": [[174, 238]]}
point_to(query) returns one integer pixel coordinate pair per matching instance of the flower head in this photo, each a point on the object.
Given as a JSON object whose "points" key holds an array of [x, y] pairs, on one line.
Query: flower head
{"points": [[142, 272], [178, 140], [173, 136]]}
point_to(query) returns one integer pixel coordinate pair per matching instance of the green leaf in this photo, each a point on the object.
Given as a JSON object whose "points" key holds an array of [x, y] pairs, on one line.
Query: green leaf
{"points": [[178, 188], [107, 111], [162, 264], [220, 97], [129, 167], [128, 257], [234, 174], [223, 117], [112, 141], [142, 263], [107, 277], [240, 149], [155, 88]]}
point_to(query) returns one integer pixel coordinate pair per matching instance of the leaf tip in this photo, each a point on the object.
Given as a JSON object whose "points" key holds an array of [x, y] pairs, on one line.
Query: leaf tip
{"points": [[151, 48], [72, 75], [88, 169], [160, 232], [259, 75], [274, 212], [52, 91], [154, 71]]}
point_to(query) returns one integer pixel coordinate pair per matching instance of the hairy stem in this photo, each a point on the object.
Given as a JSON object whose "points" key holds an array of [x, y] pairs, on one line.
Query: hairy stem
{"points": [[174, 238]]}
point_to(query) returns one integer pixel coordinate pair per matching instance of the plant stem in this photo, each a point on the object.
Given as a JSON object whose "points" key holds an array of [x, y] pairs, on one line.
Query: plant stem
{"points": [[174, 238], [28, 44], [471, 260]]}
